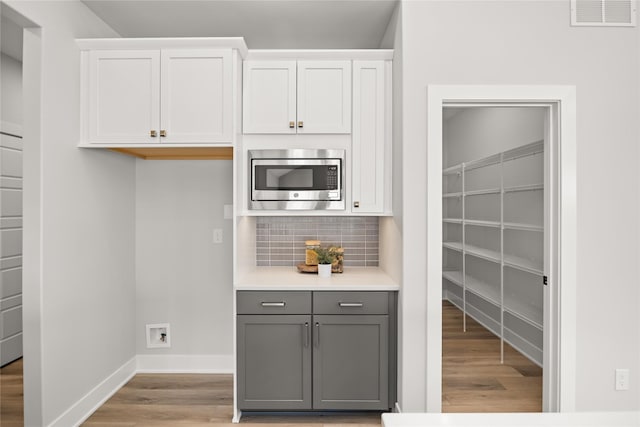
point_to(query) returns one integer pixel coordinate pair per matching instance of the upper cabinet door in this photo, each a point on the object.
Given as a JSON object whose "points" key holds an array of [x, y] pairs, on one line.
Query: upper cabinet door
{"points": [[269, 97], [124, 93], [196, 103], [369, 144], [324, 97]]}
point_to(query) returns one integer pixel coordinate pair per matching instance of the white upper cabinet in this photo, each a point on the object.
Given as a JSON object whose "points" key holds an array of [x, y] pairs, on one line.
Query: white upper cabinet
{"points": [[195, 95], [371, 148], [304, 97], [161, 96], [124, 95], [324, 97], [269, 97]]}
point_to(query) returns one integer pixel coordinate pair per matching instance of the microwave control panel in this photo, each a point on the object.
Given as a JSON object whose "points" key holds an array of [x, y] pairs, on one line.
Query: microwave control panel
{"points": [[332, 178]]}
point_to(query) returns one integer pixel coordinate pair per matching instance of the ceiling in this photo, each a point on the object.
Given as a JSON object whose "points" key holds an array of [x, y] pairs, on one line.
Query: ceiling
{"points": [[265, 24]]}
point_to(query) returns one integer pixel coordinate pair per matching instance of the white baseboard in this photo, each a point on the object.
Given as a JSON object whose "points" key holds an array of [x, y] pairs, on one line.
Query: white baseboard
{"points": [[186, 363], [87, 405], [142, 363]]}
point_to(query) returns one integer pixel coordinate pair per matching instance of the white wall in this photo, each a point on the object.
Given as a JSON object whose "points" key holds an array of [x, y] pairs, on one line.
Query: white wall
{"points": [[79, 281], [399, 236], [473, 133], [182, 277], [531, 42], [11, 90]]}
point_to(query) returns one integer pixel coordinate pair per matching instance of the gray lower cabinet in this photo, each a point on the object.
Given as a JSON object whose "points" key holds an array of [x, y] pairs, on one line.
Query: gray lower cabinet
{"points": [[350, 362], [274, 362], [316, 350]]}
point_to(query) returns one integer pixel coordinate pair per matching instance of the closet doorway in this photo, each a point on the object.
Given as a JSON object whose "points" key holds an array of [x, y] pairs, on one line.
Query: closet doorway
{"points": [[557, 320], [493, 252]]}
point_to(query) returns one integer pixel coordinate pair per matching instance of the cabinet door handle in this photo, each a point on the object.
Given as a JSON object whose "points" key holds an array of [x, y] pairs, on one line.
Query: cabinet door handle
{"points": [[317, 335], [351, 304], [153, 133], [300, 124], [163, 133], [292, 125], [306, 334], [273, 304], [356, 204]]}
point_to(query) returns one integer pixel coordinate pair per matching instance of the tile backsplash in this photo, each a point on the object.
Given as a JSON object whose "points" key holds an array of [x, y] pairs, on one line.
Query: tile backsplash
{"points": [[280, 240]]}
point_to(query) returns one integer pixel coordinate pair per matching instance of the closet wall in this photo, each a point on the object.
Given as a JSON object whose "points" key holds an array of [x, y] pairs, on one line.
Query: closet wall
{"points": [[493, 220], [472, 133]]}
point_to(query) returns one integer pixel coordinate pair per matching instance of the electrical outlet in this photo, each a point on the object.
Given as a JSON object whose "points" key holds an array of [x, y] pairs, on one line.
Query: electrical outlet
{"points": [[217, 235], [622, 379]]}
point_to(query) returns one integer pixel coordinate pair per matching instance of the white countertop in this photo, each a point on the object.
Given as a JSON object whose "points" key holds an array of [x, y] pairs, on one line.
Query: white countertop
{"points": [[539, 419], [288, 278]]}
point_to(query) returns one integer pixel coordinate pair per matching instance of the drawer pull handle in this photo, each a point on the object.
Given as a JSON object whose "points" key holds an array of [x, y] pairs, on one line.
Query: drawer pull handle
{"points": [[317, 334], [273, 304], [351, 304]]}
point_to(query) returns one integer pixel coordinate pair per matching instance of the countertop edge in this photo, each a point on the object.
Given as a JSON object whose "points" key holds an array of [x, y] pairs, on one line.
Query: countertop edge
{"points": [[538, 419], [287, 278], [316, 287]]}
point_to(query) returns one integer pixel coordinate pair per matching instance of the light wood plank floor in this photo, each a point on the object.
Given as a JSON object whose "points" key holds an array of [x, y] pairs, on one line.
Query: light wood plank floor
{"points": [[171, 400], [11, 395], [198, 400], [474, 380]]}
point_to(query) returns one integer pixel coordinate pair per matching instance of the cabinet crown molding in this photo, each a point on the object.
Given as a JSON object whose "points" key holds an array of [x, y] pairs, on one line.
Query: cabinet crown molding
{"points": [[320, 54], [237, 43]]}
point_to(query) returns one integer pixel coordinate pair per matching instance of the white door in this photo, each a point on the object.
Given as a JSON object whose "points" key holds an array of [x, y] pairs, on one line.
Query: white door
{"points": [[196, 104], [124, 96], [269, 97], [368, 138], [324, 97]]}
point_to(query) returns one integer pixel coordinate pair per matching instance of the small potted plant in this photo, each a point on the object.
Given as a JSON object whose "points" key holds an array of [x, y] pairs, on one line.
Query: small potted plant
{"points": [[326, 257]]}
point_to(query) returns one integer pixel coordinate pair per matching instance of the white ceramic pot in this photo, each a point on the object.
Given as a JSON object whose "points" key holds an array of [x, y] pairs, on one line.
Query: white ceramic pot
{"points": [[324, 270]]}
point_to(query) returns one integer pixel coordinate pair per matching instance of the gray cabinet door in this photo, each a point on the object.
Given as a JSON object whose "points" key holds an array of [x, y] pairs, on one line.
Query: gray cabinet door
{"points": [[350, 362], [274, 362]]}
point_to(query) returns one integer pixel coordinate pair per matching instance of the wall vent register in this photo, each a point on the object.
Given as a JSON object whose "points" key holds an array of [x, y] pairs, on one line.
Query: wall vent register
{"points": [[606, 13]]}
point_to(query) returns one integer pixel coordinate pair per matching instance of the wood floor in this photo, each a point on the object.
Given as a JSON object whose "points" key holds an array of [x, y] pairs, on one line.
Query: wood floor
{"points": [[474, 380], [11, 395], [197, 400]]}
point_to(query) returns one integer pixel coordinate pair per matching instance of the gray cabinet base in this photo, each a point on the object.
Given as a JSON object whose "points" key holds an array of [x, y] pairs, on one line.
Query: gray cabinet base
{"points": [[339, 355], [274, 362]]}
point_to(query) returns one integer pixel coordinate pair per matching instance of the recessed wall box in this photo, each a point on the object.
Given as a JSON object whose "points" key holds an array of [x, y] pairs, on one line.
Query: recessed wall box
{"points": [[158, 335]]}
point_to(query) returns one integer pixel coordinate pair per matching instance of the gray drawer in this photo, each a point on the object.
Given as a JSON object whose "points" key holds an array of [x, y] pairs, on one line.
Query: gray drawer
{"points": [[350, 302], [274, 302]]}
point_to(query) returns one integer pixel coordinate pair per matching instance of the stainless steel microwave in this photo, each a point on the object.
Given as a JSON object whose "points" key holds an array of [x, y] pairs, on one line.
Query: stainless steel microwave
{"points": [[297, 179]]}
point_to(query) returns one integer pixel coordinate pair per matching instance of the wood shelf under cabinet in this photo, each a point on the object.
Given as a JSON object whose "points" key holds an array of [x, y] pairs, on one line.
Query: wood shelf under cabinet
{"points": [[177, 153]]}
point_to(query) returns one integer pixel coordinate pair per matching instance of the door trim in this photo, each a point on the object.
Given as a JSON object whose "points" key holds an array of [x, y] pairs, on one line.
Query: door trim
{"points": [[560, 343]]}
